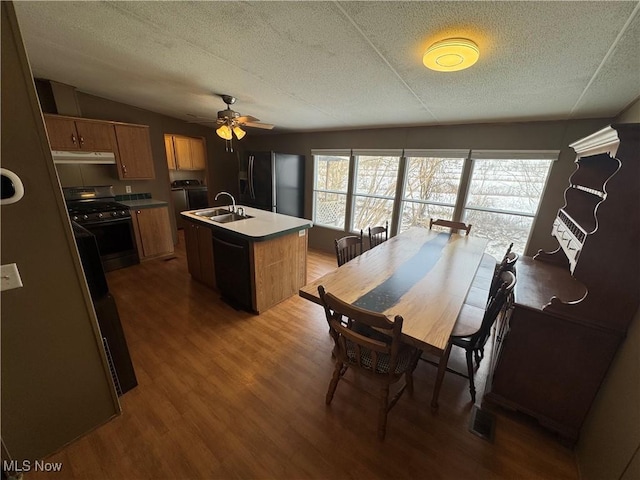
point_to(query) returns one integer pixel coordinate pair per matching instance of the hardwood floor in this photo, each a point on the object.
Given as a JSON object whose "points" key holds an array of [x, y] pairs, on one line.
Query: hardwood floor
{"points": [[226, 394]]}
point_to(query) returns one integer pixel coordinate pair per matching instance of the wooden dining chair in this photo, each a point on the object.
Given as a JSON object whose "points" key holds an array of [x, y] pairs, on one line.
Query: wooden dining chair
{"points": [[472, 330], [379, 234], [371, 345], [348, 248], [450, 224]]}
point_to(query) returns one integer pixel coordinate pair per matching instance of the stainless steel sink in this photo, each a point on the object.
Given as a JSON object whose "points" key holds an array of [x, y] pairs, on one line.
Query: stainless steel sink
{"points": [[215, 212], [229, 217]]}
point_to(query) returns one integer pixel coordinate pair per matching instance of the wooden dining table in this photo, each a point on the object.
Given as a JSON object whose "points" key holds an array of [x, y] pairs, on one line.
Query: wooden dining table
{"points": [[432, 279]]}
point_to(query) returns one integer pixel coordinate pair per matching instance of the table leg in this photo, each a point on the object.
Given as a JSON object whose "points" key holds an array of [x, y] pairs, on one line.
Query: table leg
{"points": [[442, 368]]}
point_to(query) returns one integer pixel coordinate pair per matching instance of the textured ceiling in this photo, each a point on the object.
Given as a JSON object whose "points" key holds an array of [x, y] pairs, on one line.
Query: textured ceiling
{"points": [[337, 65]]}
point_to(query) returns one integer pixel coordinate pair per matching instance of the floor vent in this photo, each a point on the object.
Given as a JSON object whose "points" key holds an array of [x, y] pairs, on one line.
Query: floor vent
{"points": [[482, 423]]}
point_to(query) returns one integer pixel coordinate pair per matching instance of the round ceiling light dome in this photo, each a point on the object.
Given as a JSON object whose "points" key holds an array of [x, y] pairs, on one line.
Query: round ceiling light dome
{"points": [[451, 55]]}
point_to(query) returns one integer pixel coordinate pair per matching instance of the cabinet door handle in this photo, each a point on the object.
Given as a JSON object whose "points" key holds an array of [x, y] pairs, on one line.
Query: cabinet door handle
{"points": [[73, 139], [81, 139], [124, 169], [138, 212]]}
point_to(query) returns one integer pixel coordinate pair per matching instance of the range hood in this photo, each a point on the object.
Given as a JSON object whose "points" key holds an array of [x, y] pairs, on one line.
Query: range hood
{"points": [[84, 158]]}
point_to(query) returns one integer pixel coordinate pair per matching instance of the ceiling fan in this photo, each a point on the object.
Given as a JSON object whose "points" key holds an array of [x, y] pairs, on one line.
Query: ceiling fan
{"points": [[231, 122]]}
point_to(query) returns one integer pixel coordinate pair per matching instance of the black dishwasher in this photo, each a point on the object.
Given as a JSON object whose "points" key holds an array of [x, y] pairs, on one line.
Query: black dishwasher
{"points": [[233, 271]]}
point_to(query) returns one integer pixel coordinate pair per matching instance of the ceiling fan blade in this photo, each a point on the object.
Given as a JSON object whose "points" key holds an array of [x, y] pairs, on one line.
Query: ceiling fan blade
{"points": [[247, 118], [265, 126], [202, 121]]}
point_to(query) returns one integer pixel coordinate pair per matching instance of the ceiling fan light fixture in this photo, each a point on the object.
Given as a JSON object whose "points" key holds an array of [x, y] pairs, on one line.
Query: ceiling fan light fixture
{"points": [[451, 55], [239, 132], [224, 132]]}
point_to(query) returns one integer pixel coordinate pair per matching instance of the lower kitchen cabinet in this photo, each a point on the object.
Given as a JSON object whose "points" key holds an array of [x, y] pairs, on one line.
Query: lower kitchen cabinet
{"points": [[200, 260], [153, 232]]}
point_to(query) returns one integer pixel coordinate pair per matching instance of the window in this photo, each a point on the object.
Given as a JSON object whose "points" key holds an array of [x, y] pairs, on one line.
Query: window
{"points": [[504, 195], [431, 186], [376, 182], [331, 180], [498, 192]]}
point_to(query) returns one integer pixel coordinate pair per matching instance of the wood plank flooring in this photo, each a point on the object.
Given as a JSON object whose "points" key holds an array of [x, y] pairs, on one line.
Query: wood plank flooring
{"points": [[225, 394]]}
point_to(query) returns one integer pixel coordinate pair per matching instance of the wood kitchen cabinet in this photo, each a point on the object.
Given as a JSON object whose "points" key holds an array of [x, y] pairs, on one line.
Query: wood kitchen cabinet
{"points": [[200, 259], [134, 158], [153, 232], [185, 153], [69, 133], [130, 143]]}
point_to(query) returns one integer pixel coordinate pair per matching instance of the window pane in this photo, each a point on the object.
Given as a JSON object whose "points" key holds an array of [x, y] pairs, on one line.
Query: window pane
{"points": [[369, 212], [500, 229], [417, 214], [512, 185], [434, 179], [332, 173], [330, 209], [377, 175]]}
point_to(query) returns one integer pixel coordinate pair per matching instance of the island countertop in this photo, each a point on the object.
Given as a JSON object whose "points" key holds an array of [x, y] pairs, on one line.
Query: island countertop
{"points": [[262, 226]]}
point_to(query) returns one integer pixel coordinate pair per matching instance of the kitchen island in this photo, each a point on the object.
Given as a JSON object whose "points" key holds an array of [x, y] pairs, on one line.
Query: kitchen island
{"points": [[254, 260]]}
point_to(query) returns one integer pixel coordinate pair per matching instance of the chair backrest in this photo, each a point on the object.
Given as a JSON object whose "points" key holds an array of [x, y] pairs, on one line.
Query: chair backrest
{"points": [[509, 260], [502, 299], [450, 224], [363, 339], [348, 248], [377, 235], [507, 264]]}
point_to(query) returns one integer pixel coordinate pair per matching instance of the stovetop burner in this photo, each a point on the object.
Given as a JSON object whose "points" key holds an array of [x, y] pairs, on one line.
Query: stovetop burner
{"points": [[94, 204]]}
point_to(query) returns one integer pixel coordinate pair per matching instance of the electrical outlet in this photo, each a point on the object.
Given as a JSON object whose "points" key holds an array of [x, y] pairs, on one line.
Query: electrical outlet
{"points": [[127, 188], [10, 277]]}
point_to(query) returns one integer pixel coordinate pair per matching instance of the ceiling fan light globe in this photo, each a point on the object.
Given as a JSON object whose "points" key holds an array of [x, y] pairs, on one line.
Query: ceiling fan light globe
{"points": [[239, 132], [224, 132]]}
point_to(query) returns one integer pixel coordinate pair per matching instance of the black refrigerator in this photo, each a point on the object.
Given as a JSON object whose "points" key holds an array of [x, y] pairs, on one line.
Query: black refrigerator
{"points": [[273, 181]]}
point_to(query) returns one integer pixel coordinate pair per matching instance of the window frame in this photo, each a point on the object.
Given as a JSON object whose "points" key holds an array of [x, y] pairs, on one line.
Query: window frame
{"points": [[460, 207], [330, 152]]}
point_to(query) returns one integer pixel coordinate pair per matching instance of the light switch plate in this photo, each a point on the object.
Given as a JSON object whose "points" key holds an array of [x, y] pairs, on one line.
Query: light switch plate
{"points": [[10, 277]]}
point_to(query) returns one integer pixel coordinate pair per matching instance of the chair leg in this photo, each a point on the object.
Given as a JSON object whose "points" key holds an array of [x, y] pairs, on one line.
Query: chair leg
{"points": [[472, 388], [479, 355], [409, 374], [337, 373], [382, 414], [408, 378]]}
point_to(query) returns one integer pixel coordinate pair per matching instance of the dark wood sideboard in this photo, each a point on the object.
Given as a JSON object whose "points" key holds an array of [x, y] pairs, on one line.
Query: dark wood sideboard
{"points": [[573, 305]]}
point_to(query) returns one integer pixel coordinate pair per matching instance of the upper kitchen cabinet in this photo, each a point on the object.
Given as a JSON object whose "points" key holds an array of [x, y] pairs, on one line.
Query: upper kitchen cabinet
{"points": [[68, 133], [134, 159], [130, 143], [185, 153]]}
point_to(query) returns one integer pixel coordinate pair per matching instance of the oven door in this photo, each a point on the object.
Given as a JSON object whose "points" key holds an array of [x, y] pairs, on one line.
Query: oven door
{"points": [[116, 242]]}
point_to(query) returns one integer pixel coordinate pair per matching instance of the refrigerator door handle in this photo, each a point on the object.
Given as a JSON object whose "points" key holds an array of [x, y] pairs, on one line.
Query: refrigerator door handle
{"points": [[252, 192]]}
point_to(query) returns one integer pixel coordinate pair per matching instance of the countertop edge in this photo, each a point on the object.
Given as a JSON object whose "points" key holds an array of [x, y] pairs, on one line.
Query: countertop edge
{"points": [[144, 203], [303, 224]]}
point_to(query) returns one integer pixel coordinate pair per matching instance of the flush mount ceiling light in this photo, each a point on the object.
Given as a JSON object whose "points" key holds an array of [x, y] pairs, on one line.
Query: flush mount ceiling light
{"points": [[451, 55]]}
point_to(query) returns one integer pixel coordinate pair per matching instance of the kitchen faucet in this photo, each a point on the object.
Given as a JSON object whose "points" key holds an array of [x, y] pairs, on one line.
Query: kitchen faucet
{"points": [[233, 200]]}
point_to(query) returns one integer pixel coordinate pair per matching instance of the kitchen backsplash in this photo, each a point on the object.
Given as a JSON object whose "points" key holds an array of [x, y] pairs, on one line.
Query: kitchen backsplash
{"points": [[133, 196]]}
